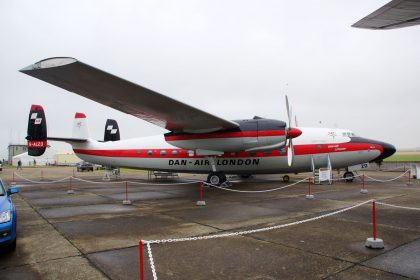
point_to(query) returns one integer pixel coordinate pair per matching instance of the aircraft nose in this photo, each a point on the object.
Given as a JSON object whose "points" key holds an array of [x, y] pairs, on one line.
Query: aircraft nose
{"points": [[388, 150]]}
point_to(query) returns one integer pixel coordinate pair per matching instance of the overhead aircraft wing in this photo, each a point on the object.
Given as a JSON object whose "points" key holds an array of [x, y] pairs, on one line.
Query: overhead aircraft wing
{"points": [[97, 85], [395, 14]]}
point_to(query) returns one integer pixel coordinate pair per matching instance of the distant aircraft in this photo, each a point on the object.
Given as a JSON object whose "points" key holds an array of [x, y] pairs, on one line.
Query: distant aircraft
{"points": [[197, 142], [395, 14]]}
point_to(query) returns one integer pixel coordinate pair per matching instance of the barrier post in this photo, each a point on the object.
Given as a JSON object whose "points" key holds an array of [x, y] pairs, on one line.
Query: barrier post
{"points": [[409, 177], [363, 189], [201, 202], [126, 201], [309, 195], [373, 242], [141, 260], [70, 190]]}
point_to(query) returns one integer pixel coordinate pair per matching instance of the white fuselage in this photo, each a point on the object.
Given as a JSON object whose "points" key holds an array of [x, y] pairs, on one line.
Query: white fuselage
{"points": [[312, 149]]}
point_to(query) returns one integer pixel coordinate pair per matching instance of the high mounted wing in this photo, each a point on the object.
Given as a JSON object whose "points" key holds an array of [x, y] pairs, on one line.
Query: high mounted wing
{"points": [[97, 85], [395, 14]]}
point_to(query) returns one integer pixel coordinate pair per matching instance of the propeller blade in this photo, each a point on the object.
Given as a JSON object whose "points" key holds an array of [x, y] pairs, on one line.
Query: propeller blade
{"points": [[288, 112], [290, 153], [296, 122]]}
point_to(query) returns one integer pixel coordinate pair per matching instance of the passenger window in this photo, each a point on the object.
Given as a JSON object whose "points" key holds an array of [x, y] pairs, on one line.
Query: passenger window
{"points": [[149, 152], [163, 153], [174, 152], [191, 153]]}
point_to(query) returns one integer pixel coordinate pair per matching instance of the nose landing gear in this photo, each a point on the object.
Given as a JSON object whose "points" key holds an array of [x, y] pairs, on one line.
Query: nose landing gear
{"points": [[348, 176]]}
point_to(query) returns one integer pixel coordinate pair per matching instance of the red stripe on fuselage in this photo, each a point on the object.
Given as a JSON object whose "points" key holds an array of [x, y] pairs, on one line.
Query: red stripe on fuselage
{"points": [[181, 153], [236, 134]]}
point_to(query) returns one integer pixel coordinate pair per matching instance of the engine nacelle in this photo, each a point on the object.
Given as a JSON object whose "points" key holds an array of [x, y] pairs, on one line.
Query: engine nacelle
{"points": [[251, 135]]}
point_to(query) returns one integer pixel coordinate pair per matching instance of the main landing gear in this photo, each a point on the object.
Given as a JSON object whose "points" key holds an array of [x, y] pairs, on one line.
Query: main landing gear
{"points": [[216, 178], [348, 176]]}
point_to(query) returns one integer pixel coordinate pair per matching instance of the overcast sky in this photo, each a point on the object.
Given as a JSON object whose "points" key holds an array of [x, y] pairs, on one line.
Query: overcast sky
{"points": [[234, 59]]}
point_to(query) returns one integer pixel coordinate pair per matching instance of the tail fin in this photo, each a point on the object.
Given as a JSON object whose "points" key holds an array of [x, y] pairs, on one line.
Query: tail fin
{"points": [[80, 129], [112, 132], [37, 131]]}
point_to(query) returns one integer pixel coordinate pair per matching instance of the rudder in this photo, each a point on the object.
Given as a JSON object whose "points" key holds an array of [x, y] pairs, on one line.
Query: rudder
{"points": [[112, 132], [80, 130], [37, 131]]}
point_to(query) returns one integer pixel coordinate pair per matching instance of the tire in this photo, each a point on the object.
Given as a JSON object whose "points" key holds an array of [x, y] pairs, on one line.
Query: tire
{"points": [[245, 176], [216, 178], [12, 245], [348, 176], [286, 179]]}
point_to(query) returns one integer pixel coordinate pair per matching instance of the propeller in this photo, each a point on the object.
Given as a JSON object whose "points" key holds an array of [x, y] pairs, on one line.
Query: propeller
{"points": [[291, 133]]}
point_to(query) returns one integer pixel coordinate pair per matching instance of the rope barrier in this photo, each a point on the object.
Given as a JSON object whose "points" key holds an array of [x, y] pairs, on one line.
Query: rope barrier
{"points": [[95, 182], [41, 182], [398, 206], [388, 180], [152, 262], [207, 184], [259, 191], [245, 232]]}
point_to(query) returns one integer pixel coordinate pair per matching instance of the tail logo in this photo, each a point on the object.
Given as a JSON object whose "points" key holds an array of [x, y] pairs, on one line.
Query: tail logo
{"points": [[111, 129], [34, 116]]}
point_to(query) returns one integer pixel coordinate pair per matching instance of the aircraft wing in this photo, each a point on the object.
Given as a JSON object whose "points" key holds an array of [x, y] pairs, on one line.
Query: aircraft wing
{"points": [[97, 85], [395, 14]]}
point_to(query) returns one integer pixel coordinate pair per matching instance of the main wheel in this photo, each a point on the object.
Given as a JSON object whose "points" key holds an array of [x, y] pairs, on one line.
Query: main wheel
{"points": [[216, 178], [349, 176], [286, 178]]}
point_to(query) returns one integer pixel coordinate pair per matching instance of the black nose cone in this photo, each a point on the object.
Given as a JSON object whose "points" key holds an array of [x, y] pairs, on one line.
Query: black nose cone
{"points": [[389, 150]]}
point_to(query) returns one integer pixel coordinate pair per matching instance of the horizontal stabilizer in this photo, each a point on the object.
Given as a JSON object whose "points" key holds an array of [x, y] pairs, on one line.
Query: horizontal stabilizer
{"points": [[64, 139]]}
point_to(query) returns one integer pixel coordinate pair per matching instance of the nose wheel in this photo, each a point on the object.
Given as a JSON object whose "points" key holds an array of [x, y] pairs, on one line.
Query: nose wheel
{"points": [[216, 178], [348, 176]]}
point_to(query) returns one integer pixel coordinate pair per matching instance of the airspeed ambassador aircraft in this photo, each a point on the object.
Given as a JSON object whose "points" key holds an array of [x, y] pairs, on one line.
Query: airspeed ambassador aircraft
{"points": [[197, 142]]}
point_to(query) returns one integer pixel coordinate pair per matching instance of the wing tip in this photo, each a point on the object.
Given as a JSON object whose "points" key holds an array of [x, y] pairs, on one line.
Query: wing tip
{"points": [[49, 63]]}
